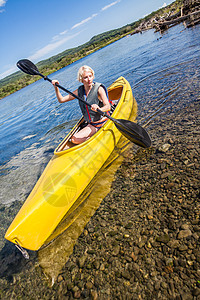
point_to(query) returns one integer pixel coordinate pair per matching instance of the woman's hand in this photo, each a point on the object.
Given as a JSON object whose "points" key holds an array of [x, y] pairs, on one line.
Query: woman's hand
{"points": [[54, 82], [94, 107]]}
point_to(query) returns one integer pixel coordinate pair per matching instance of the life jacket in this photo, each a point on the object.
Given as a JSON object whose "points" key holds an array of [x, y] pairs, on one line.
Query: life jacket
{"points": [[92, 98]]}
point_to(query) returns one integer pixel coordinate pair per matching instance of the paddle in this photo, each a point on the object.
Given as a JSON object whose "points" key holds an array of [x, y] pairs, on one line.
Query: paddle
{"points": [[132, 131]]}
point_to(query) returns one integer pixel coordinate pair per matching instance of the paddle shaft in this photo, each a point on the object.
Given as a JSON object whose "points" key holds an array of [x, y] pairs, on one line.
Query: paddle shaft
{"points": [[115, 121], [132, 131], [75, 96]]}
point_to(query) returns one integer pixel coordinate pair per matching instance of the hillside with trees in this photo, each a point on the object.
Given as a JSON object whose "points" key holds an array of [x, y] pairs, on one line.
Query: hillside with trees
{"points": [[18, 80]]}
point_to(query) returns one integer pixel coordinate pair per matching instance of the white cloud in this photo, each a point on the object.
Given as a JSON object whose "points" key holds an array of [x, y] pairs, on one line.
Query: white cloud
{"points": [[50, 47], [64, 32], [2, 2], [84, 21], [111, 4], [58, 36]]}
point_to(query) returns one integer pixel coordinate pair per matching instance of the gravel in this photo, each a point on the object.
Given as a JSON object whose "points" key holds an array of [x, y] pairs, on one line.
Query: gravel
{"points": [[143, 240]]}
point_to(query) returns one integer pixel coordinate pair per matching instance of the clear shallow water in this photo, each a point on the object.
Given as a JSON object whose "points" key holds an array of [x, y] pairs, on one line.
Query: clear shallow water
{"points": [[161, 70]]}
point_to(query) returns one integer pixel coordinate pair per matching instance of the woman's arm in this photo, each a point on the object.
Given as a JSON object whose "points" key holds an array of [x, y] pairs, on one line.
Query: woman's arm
{"points": [[60, 98], [103, 97]]}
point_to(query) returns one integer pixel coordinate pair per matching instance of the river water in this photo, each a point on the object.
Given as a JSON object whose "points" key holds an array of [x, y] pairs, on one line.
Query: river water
{"points": [[159, 68]]}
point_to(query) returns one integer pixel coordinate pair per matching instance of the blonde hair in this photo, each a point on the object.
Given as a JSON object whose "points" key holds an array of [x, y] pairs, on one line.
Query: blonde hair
{"points": [[82, 70]]}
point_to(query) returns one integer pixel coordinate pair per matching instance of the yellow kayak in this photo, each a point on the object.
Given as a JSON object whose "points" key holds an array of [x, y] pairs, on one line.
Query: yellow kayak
{"points": [[68, 173]]}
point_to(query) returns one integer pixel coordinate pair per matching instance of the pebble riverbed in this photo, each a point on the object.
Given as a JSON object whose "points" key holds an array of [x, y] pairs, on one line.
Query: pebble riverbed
{"points": [[143, 241]]}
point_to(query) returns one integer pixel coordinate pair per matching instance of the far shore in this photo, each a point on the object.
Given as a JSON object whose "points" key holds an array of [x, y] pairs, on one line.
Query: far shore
{"points": [[162, 20]]}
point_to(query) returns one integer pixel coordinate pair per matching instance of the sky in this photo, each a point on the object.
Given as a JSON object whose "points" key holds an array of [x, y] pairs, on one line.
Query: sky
{"points": [[39, 29]]}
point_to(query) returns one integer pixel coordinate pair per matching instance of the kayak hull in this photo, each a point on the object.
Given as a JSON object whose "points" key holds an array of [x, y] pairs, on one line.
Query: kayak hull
{"points": [[67, 175]]}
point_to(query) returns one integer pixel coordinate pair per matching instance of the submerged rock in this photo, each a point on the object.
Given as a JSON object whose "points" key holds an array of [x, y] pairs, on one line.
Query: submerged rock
{"points": [[164, 148]]}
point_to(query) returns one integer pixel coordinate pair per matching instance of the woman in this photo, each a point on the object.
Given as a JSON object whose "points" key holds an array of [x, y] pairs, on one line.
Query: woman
{"points": [[95, 94]]}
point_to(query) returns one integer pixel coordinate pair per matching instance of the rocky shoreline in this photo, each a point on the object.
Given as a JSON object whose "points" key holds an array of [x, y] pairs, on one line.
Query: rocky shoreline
{"points": [[189, 13], [143, 241]]}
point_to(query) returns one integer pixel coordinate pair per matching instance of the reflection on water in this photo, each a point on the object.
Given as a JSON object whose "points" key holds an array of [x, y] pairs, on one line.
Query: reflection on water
{"points": [[55, 254]]}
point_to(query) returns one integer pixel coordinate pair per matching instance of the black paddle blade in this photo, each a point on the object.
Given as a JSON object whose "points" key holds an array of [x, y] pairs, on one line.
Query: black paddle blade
{"points": [[28, 67], [133, 132]]}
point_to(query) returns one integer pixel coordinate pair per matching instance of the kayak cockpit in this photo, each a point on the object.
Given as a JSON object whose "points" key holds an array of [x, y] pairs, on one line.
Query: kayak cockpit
{"points": [[67, 143], [114, 97]]}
